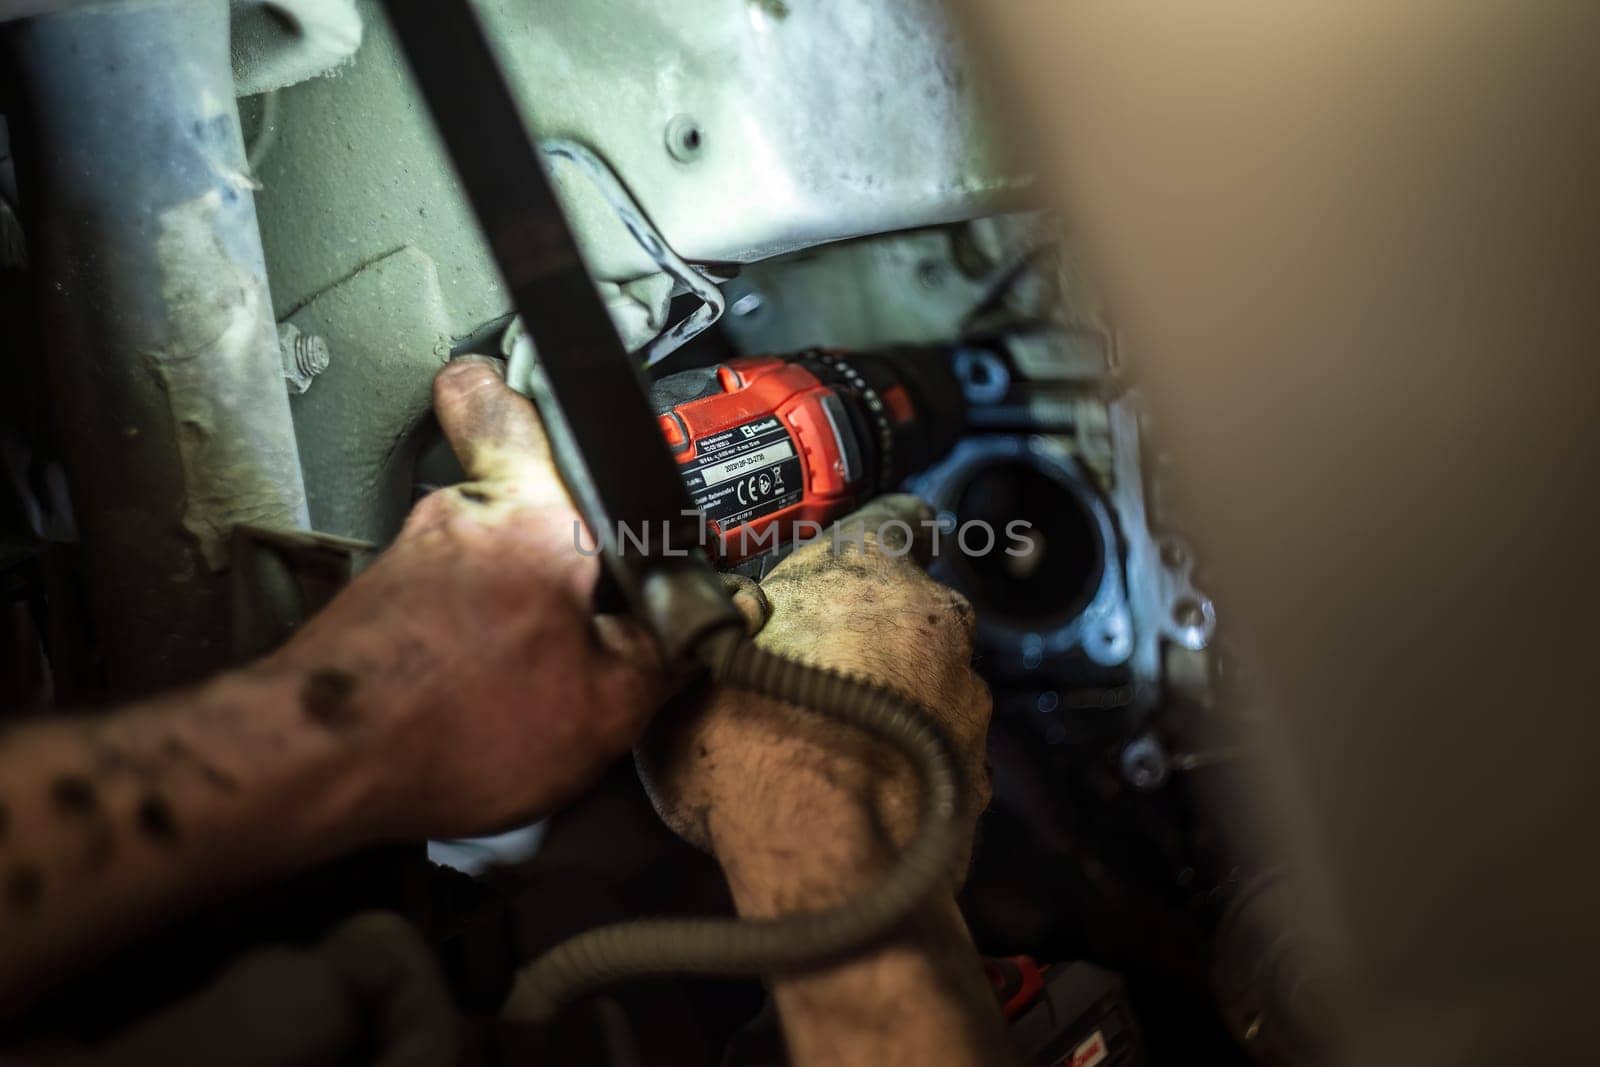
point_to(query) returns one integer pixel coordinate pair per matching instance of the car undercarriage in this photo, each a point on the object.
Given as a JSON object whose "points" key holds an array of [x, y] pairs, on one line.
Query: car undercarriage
{"points": [[240, 247]]}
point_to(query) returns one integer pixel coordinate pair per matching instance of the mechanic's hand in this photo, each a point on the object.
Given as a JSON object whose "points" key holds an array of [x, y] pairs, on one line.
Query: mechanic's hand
{"points": [[467, 659], [788, 797]]}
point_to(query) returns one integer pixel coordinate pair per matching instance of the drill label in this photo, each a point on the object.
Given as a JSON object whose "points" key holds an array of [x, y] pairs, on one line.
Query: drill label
{"points": [[1089, 1052], [743, 473]]}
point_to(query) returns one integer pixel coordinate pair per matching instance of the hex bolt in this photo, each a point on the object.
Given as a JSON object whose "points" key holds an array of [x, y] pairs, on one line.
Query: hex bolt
{"points": [[304, 356], [1188, 613], [310, 355], [1144, 764]]}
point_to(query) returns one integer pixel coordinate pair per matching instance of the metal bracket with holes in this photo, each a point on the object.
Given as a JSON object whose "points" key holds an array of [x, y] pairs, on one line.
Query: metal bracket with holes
{"points": [[1164, 601]]}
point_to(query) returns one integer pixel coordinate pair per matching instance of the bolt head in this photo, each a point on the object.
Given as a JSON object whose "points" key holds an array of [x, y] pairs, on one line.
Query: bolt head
{"points": [[686, 141]]}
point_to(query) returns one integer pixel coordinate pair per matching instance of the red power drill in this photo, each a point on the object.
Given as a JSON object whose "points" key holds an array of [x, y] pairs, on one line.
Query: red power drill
{"points": [[774, 446]]}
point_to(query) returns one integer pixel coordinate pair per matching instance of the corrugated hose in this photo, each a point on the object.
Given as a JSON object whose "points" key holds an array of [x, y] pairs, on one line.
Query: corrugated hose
{"points": [[730, 947]]}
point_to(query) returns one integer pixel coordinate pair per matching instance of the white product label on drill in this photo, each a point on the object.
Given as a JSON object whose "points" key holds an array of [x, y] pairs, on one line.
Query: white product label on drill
{"points": [[743, 473], [1088, 1053], [743, 465]]}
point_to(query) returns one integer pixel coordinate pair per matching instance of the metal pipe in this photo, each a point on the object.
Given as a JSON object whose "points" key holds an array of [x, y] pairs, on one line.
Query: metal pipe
{"points": [[164, 368]]}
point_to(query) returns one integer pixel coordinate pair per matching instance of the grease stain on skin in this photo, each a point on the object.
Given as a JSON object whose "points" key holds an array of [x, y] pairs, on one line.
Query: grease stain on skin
{"points": [[76, 798], [326, 698], [155, 819], [829, 567], [24, 887], [74, 795]]}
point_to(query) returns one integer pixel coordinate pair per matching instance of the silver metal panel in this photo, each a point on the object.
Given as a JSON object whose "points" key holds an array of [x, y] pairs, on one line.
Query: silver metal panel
{"points": [[745, 128]]}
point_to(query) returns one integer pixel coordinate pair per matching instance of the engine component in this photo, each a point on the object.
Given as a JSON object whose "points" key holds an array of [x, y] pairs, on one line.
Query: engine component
{"points": [[1164, 599], [1036, 360], [766, 445], [1065, 593], [154, 300]]}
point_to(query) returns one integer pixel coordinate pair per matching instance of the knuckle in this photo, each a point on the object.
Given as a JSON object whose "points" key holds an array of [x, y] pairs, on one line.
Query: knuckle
{"points": [[961, 608], [432, 510], [956, 617]]}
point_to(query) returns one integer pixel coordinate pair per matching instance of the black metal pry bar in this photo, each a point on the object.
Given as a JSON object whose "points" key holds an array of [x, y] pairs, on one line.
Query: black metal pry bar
{"points": [[605, 436]]}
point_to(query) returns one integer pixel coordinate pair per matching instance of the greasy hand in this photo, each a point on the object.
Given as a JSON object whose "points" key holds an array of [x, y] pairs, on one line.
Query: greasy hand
{"points": [[466, 662], [763, 785]]}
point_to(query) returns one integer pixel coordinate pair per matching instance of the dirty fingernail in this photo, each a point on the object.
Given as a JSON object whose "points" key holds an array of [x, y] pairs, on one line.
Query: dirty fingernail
{"points": [[477, 360], [750, 599]]}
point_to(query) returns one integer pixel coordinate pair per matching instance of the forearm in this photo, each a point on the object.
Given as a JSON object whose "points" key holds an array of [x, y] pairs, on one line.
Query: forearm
{"points": [[921, 998], [112, 823], [459, 683]]}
